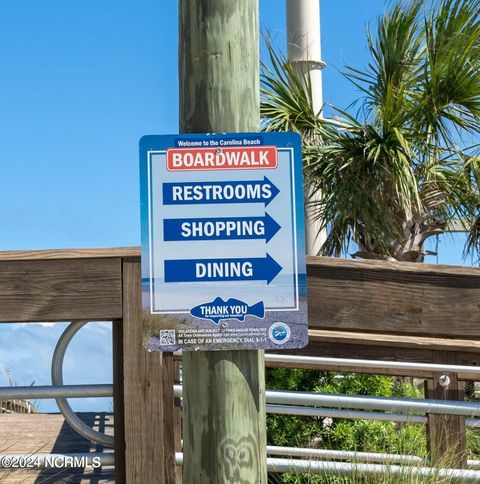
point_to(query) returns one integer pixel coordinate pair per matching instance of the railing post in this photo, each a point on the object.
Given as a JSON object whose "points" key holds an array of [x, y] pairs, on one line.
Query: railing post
{"points": [[178, 421], [169, 419], [446, 439], [143, 388], [118, 401]]}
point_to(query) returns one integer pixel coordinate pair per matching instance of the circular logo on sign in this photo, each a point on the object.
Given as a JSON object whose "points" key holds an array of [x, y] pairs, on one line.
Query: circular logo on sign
{"points": [[279, 333]]}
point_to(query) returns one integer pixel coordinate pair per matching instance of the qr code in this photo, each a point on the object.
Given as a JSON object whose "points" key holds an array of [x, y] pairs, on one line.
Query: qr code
{"points": [[167, 337]]}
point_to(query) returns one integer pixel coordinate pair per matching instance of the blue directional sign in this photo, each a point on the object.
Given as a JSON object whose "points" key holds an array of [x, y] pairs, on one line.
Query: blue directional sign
{"points": [[206, 270], [223, 258], [206, 192], [220, 228]]}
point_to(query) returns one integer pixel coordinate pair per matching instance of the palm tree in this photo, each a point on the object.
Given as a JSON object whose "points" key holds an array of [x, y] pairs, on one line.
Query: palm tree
{"points": [[405, 166]]}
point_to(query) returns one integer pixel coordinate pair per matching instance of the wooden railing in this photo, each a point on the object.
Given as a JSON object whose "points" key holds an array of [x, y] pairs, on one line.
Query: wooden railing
{"points": [[357, 309], [16, 406], [103, 285]]}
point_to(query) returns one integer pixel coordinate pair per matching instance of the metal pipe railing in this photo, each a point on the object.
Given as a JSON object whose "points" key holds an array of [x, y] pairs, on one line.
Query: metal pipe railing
{"points": [[473, 423], [61, 392], [361, 469], [362, 457], [356, 414], [348, 414], [93, 459], [372, 364], [52, 391], [344, 455], [57, 380], [400, 405]]}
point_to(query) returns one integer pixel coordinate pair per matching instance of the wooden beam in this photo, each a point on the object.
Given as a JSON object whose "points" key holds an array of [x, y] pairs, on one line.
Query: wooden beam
{"points": [[398, 341], [394, 298], [437, 270], [143, 389], [60, 290], [54, 254], [446, 437]]}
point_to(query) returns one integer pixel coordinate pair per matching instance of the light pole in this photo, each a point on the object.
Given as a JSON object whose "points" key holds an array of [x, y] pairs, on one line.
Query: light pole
{"points": [[304, 54]]}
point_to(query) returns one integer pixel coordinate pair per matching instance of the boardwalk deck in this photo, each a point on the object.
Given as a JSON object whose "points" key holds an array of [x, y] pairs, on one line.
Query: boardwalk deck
{"points": [[49, 433]]}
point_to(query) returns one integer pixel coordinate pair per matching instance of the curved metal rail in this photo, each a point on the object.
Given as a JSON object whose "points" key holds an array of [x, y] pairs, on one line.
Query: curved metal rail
{"points": [[57, 380]]}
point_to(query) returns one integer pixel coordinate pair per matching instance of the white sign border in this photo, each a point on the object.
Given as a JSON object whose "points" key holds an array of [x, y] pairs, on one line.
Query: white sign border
{"points": [[150, 235]]}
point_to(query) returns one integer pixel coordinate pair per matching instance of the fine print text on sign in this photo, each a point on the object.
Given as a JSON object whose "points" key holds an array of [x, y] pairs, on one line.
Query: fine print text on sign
{"points": [[223, 249]]}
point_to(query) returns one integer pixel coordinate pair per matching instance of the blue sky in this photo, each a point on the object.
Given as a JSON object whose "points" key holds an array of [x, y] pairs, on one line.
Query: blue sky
{"points": [[80, 83]]}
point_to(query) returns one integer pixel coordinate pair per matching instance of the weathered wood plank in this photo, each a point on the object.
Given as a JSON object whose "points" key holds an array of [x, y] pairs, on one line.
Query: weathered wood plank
{"points": [[49, 433], [396, 298], [238, 383], [468, 358], [178, 421], [360, 265], [344, 294], [169, 420], [143, 389], [118, 401], [60, 290], [16, 406], [46, 433], [104, 475], [402, 341], [54, 254], [446, 434]]}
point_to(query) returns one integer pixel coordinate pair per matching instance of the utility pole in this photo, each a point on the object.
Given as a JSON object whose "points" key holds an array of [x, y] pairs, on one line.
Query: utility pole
{"points": [[223, 391], [304, 53]]}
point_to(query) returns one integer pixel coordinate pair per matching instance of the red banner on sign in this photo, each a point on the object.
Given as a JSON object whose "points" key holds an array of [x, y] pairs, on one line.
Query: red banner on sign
{"points": [[238, 158]]}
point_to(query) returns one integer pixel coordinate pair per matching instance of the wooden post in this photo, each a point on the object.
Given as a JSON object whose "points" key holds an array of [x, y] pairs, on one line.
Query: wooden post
{"points": [[172, 476], [177, 422], [224, 392], [143, 389], [118, 401], [446, 439]]}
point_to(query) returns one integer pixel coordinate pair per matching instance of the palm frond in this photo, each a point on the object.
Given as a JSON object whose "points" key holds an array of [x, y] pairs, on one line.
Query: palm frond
{"points": [[409, 167], [285, 100]]}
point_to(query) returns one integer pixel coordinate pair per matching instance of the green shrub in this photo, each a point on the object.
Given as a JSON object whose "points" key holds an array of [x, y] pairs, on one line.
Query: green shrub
{"points": [[342, 434]]}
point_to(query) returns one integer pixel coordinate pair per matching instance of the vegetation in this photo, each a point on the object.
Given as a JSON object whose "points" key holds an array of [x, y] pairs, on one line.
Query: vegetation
{"points": [[361, 435], [348, 435], [352, 435], [404, 167], [409, 475], [399, 169]]}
